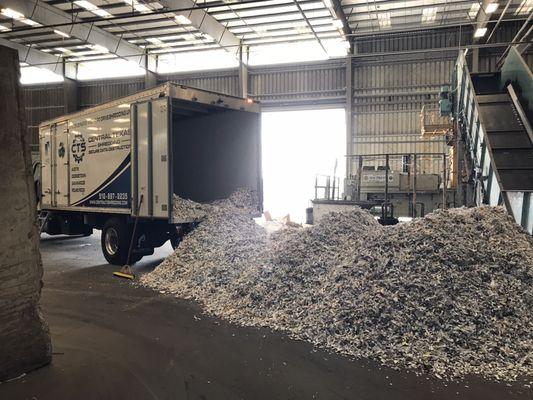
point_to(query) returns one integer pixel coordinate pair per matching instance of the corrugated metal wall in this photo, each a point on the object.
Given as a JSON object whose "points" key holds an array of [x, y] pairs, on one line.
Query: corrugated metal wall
{"points": [[316, 83], [42, 103], [93, 93], [226, 82]]}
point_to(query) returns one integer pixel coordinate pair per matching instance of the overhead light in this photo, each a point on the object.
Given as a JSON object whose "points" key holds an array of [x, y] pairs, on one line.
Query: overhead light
{"points": [[92, 8], [525, 7], [480, 32], [491, 8], [47, 50], [429, 15], [101, 13], [23, 64], [328, 3], [100, 48], [4, 28], [137, 6], [8, 12], [337, 23], [157, 42], [384, 20], [182, 19], [60, 33], [29, 22], [63, 50], [474, 10]]}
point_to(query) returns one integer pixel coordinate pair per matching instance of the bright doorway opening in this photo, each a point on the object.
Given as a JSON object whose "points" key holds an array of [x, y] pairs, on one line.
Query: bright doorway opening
{"points": [[298, 146]]}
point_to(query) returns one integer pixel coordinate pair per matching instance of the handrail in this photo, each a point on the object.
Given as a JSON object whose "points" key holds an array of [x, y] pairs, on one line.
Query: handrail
{"points": [[521, 112]]}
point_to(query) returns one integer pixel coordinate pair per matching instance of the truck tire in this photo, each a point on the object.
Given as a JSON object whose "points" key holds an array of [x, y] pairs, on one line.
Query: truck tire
{"points": [[115, 241]]}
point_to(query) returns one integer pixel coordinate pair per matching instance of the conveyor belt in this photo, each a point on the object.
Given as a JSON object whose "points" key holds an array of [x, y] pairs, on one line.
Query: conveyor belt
{"points": [[495, 114], [509, 141]]}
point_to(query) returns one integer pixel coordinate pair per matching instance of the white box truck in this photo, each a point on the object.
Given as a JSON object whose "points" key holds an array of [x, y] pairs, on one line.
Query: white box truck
{"points": [[105, 166]]}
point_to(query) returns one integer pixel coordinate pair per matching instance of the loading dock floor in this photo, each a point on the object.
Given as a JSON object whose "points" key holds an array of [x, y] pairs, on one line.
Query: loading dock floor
{"points": [[113, 340]]}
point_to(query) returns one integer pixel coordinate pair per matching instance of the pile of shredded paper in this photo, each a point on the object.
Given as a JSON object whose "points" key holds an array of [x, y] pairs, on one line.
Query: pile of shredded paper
{"points": [[450, 294]]}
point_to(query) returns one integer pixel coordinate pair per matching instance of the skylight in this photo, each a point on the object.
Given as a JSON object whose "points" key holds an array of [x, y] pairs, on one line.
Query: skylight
{"points": [[474, 10], [92, 8], [429, 15], [384, 20]]}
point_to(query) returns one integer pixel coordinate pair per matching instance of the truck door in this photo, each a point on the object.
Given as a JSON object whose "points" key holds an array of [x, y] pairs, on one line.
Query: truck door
{"points": [[61, 165], [45, 151], [151, 124]]}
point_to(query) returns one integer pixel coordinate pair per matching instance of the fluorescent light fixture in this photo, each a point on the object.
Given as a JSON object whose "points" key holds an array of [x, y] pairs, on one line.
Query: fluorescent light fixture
{"points": [[92, 8], [4, 28], [47, 50], [157, 42], [429, 15], [337, 23], [60, 33], [101, 13], [29, 22], [137, 6], [491, 8], [182, 19], [480, 32], [23, 64], [62, 50], [100, 48], [525, 7], [8, 12], [384, 20], [474, 10]]}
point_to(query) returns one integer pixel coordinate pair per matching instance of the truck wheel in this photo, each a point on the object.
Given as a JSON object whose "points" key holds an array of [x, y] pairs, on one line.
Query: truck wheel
{"points": [[115, 241]]}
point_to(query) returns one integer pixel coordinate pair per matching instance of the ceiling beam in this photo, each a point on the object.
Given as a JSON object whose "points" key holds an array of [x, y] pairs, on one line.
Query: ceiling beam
{"points": [[205, 23], [339, 13], [48, 15], [38, 58]]}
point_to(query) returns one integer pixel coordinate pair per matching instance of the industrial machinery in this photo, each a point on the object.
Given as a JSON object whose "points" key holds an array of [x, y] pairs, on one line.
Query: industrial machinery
{"points": [[494, 113], [135, 153]]}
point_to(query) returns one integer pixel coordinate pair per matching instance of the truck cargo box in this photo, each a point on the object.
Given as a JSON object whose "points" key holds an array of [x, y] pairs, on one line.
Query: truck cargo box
{"points": [[171, 139], [121, 161]]}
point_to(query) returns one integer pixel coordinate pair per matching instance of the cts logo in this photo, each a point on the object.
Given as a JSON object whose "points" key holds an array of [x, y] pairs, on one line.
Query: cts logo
{"points": [[78, 148]]}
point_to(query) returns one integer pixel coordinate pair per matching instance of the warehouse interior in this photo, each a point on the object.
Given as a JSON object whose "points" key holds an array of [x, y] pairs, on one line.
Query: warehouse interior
{"points": [[266, 199]]}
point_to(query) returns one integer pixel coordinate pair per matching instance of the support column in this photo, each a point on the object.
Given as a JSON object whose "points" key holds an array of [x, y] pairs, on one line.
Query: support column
{"points": [[150, 78], [24, 336], [70, 88], [70, 94], [243, 71], [349, 116], [475, 60]]}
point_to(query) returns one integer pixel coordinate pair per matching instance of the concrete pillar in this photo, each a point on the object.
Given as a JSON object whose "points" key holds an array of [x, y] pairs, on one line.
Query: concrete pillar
{"points": [[24, 337]]}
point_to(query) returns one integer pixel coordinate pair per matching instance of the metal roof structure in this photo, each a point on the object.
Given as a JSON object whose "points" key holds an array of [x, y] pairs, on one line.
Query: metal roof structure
{"points": [[53, 31]]}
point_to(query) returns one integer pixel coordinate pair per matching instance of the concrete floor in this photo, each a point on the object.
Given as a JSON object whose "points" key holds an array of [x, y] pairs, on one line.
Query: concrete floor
{"points": [[113, 340]]}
